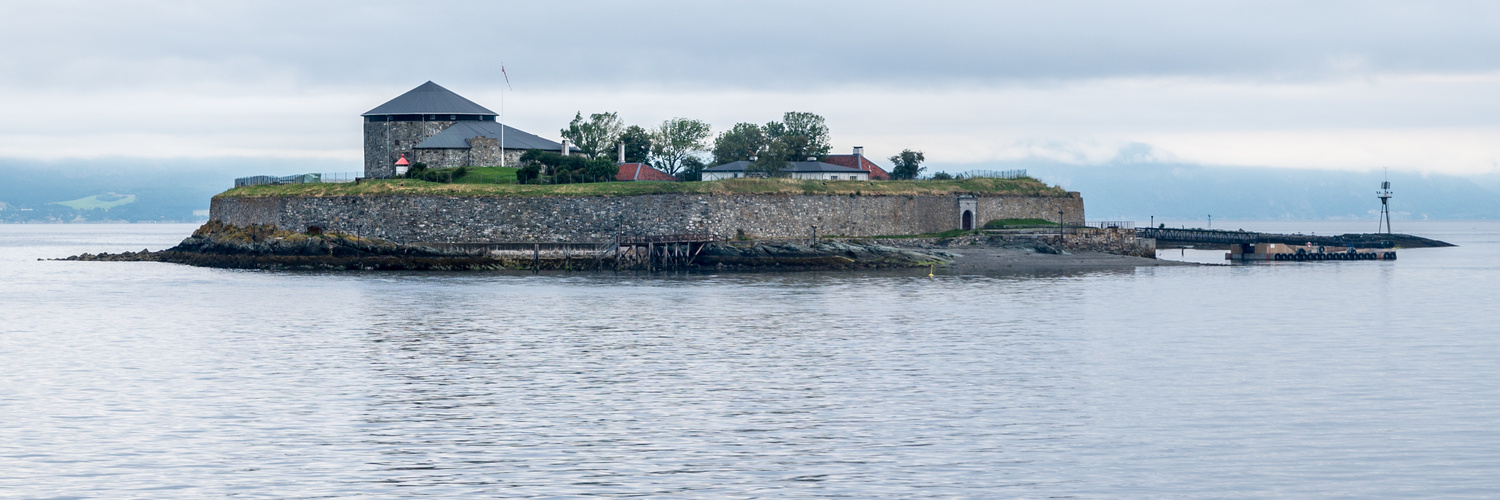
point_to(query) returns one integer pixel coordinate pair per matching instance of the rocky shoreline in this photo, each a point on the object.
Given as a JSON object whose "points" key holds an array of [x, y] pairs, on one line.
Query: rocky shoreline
{"points": [[220, 245]]}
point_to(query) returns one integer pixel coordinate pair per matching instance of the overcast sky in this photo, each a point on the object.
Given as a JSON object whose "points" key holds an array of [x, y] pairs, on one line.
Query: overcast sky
{"points": [[1350, 85]]}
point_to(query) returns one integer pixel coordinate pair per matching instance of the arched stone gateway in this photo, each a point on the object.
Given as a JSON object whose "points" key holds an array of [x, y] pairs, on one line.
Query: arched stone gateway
{"points": [[968, 212]]}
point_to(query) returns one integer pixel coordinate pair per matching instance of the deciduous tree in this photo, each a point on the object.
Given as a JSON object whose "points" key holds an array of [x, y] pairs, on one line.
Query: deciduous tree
{"points": [[743, 141], [804, 135], [692, 169], [675, 140], [596, 136], [908, 165], [772, 162], [637, 144]]}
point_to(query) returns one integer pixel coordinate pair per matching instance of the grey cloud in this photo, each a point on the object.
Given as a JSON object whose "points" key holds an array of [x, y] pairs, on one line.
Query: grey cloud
{"points": [[759, 45]]}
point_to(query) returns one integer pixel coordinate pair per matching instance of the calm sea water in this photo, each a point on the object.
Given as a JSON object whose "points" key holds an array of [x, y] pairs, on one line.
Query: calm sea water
{"points": [[147, 380]]}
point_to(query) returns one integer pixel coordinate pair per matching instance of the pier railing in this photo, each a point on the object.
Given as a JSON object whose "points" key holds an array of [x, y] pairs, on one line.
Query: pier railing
{"points": [[666, 238], [1198, 235]]}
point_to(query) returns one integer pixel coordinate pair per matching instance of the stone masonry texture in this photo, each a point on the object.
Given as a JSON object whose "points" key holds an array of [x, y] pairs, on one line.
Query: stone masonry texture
{"points": [[437, 219], [387, 141]]}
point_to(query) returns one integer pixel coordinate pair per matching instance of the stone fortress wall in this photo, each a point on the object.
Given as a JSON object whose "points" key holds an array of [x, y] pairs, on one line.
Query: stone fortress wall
{"points": [[398, 138], [482, 152], [387, 141], [439, 219]]}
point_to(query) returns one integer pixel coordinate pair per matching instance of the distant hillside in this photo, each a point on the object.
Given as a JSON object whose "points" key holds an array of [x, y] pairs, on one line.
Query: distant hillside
{"points": [[104, 201], [1137, 191], [129, 190], [171, 190]]}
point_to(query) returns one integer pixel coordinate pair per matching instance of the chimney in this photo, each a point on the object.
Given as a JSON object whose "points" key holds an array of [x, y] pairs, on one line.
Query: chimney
{"points": [[859, 151], [622, 152], [565, 147]]}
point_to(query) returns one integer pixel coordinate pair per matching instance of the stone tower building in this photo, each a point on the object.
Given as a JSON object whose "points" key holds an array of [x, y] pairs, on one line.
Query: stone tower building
{"points": [[433, 125]]}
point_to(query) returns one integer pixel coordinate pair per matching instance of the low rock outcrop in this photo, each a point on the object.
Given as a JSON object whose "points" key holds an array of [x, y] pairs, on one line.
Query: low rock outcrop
{"points": [[216, 244], [820, 255]]}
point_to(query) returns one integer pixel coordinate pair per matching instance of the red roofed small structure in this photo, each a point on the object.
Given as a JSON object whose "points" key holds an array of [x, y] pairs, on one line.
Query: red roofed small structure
{"points": [[402, 162], [642, 172], [858, 160]]}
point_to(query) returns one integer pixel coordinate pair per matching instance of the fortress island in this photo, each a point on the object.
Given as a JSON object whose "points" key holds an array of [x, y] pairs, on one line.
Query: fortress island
{"points": [[424, 202]]}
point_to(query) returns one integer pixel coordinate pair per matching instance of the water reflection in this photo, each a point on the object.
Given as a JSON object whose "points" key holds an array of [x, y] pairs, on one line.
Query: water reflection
{"points": [[702, 384], [144, 380]]}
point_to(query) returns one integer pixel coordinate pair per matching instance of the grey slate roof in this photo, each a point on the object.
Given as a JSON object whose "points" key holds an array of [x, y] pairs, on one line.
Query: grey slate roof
{"points": [[429, 99], [456, 137], [796, 167]]}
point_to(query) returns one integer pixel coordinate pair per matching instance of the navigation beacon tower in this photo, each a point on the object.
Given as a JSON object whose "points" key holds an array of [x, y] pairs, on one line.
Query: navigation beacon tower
{"points": [[1385, 206]]}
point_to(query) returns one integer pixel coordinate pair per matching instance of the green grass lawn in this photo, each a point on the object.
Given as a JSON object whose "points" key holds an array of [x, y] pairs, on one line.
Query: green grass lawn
{"points": [[488, 175], [409, 187], [1017, 223], [105, 201]]}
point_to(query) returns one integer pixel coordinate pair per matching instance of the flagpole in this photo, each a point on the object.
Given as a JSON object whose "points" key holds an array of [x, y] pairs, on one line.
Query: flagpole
{"points": [[502, 113], [503, 119], [503, 128]]}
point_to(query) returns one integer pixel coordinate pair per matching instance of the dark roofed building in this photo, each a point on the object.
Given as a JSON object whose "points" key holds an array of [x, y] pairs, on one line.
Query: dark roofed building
{"points": [[796, 170], [429, 101], [433, 125], [455, 135]]}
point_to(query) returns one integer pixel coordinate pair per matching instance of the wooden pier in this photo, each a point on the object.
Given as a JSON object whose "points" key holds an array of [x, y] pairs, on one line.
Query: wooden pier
{"points": [[659, 252]]}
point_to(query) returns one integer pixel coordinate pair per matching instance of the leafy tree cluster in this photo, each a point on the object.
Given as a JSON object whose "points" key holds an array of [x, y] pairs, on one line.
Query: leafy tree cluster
{"points": [[420, 171], [797, 137], [673, 146], [637, 144], [529, 174], [559, 169], [597, 136]]}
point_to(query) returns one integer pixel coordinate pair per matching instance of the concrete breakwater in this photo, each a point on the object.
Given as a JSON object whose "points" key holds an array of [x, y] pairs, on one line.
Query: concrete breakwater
{"points": [[1215, 238], [1111, 241], [413, 219]]}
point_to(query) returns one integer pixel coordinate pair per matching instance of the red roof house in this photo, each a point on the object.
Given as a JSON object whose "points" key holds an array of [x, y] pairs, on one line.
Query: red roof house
{"points": [[858, 160], [642, 172]]}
